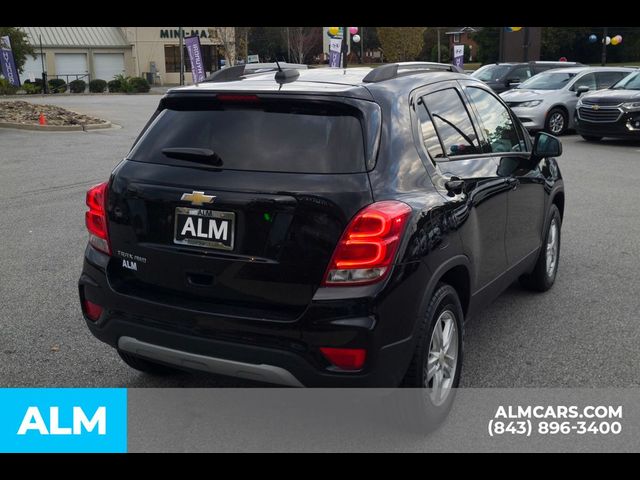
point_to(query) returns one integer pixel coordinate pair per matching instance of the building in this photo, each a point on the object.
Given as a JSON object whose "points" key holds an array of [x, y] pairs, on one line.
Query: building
{"points": [[77, 52], [462, 36], [89, 53], [156, 50]]}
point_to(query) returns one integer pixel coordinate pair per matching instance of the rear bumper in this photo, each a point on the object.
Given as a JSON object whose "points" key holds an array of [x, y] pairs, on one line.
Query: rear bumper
{"points": [[284, 353]]}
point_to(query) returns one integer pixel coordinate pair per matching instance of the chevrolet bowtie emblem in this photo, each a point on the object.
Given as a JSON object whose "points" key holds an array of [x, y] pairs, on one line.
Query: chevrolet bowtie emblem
{"points": [[596, 107], [197, 198]]}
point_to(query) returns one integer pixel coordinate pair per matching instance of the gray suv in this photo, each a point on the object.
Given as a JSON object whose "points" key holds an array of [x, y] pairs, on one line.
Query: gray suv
{"points": [[548, 100]]}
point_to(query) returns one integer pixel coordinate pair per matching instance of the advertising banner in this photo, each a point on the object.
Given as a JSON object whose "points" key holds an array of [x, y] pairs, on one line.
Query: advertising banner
{"points": [[195, 57], [335, 54], [458, 55], [9, 69]]}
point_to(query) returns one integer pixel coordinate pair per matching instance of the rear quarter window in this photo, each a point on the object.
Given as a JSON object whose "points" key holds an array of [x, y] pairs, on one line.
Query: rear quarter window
{"points": [[270, 136]]}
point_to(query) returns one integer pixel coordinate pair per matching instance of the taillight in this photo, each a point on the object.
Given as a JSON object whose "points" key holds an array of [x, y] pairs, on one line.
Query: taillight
{"points": [[368, 245], [345, 358], [96, 218], [92, 310]]}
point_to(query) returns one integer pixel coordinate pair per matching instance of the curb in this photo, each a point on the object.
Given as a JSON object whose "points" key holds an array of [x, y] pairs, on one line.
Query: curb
{"points": [[56, 128]]}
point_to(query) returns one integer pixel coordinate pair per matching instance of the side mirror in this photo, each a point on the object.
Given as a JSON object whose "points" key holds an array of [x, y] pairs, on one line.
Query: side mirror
{"points": [[545, 145], [512, 82], [582, 89]]}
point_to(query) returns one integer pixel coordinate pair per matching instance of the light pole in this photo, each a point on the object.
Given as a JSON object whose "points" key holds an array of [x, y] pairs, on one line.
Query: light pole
{"points": [[604, 46], [181, 46]]}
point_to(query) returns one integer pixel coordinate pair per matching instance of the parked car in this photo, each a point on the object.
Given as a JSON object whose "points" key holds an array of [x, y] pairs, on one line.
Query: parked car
{"points": [[320, 227], [548, 100], [505, 76], [614, 112]]}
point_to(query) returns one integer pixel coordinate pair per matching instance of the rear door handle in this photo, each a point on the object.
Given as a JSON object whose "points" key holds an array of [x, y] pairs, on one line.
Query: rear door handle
{"points": [[454, 185]]}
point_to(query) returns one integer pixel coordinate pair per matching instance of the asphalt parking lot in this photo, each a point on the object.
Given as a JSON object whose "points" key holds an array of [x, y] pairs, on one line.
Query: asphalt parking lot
{"points": [[585, 332]]}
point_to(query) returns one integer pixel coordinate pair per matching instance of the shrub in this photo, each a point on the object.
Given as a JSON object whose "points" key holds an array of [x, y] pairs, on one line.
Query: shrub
{"points": [[57, 85], [6, 88], [97, 86], [114, 86], [32, 88], [124, 83], [139, 85], [77, 86]]}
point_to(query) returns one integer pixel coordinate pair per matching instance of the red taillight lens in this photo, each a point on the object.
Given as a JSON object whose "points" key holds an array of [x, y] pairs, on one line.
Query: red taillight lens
{"points": [[96, 218], [92, 310], [368, 245], [345, 358]]}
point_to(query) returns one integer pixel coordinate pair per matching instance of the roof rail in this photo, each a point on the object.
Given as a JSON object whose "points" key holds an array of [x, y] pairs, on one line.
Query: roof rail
{"points": [[234, 73], [393, 70]]}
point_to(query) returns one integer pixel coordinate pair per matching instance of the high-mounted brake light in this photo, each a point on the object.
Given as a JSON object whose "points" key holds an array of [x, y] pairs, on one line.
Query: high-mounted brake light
{"points": [[233, 98], [368, 245], [96, 217]]}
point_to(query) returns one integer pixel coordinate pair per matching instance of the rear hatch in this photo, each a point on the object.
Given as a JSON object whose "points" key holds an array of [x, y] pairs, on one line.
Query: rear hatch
{"points": [[233, 204]]}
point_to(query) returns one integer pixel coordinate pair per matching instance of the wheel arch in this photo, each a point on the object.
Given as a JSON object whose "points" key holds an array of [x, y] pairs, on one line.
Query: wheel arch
{"points": [[456, 271]]}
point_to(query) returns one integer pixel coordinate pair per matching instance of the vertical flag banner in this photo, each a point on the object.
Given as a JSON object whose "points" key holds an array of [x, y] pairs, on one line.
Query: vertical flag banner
{"points": [[458, 55], [335, 50], [195, 57], [9, 69]]}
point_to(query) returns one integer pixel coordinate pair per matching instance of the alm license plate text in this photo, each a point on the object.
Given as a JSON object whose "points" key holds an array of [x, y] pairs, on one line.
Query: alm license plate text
{"points": [[204, 228]]}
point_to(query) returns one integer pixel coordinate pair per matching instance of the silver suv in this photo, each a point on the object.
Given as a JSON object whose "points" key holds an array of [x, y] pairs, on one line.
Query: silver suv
{"points": [[547, 101]]}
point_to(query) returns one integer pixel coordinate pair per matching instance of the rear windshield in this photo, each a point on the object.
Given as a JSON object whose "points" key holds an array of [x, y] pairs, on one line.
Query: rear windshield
{"points": [[318, 137]]}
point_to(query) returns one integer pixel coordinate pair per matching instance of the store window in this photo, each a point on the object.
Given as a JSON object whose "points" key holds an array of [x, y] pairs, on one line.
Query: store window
{"points": [[172, 58]]}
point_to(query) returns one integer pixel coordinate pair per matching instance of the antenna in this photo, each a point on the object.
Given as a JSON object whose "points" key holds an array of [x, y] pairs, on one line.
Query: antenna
{"points": [[278, 63]]}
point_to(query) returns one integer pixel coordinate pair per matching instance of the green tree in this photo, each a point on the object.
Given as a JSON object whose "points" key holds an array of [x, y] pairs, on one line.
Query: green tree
{"points": [[19, 45], [270, 43], [401, 44], [488, 40]]}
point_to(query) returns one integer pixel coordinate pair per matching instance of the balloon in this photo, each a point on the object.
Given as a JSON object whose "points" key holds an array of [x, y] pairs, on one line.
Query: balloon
{"points": [[619, 38], [513, 29], [593, 38], [333, 31], [614, 41], [353, 30], [607, 40], [356, 38]]}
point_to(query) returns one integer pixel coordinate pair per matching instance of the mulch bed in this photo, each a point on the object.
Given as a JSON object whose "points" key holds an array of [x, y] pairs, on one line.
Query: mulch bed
{"points": [[27, 113]]}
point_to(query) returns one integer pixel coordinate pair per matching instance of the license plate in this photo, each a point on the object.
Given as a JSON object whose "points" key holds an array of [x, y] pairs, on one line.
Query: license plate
{"points": [[204, 228]]}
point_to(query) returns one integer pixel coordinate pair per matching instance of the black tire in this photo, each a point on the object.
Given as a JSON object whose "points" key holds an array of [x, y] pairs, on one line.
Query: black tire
{"points": [[146, 366], [549, 125], [541, 279], [591, 138], [417, 409]]}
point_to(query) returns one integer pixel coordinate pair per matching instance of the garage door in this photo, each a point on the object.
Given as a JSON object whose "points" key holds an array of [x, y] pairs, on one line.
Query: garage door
{"points": [[108, 65], [32, 66], [71, 64]]}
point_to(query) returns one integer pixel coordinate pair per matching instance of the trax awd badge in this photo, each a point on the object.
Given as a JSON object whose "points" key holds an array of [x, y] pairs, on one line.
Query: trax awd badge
{"points": [[197, 198]]}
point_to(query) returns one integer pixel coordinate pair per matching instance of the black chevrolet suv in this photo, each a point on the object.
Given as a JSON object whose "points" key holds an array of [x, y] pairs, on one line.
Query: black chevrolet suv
{"points": [[505, 76], [321, 227], [614, 112]]}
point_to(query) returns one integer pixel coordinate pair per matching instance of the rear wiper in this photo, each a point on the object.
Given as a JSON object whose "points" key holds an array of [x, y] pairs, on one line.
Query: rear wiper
{"points": [[203, 155]]}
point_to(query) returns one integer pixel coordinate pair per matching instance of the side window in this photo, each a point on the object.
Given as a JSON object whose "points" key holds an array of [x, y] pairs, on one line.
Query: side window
{"points": [[588, 80], [521, 73], [498, 126], [428, 131], [452, 122], [606, 79]]}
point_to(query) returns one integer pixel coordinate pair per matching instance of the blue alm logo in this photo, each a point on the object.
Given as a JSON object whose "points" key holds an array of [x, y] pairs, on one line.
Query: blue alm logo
{"points": [[74, 420]]}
